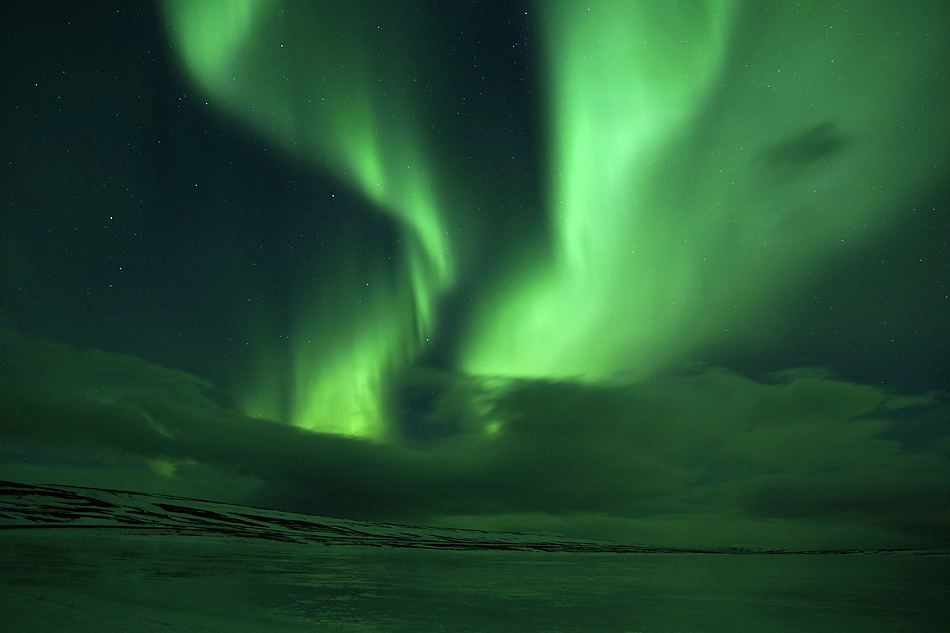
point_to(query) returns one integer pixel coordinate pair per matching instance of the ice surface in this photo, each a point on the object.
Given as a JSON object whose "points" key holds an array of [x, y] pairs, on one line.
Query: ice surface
{"points": [[75, 559]]}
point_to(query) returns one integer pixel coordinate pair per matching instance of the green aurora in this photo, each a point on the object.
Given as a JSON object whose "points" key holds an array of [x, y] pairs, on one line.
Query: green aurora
{"points": [[677, 210], [340, 98], [681, 210]]}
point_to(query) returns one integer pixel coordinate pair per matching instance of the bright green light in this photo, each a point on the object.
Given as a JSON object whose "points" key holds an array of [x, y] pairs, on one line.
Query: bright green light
{"points": [[705, 159], [706, 155], [321, 88], [626, 79], [212, 35]]}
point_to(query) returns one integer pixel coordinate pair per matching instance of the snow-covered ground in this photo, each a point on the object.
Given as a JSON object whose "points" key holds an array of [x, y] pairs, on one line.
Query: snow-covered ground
{"points": [[79, 559]]}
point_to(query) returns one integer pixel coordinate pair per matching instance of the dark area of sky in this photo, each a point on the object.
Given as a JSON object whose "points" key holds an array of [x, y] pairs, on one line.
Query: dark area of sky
{"points": [[135, 219]]}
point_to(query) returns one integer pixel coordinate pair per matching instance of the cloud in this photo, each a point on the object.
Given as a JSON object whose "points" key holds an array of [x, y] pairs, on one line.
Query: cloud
{"points": [[700, 458]]}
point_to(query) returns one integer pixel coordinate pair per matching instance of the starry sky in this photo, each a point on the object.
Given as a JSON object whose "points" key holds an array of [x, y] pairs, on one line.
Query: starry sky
{"points": [[675, 274]]}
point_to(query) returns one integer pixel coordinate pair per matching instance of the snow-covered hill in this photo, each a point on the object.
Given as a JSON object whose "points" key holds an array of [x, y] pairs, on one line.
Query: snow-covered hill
{"points": [[46, 506]]}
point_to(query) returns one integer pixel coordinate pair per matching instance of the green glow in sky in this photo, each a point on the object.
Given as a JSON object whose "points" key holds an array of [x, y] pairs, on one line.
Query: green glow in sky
{"points": [[703, 162], [704, 156], [315, 82], [626, 78]]}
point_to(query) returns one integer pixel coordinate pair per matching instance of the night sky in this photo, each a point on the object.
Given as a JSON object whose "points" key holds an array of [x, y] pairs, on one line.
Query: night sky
{"points": [[671, 273]]}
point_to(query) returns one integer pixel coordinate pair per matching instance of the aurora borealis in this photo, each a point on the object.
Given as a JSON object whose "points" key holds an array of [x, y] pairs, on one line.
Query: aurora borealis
{"points": [[679, 208], [339, 97], [635, 270]]}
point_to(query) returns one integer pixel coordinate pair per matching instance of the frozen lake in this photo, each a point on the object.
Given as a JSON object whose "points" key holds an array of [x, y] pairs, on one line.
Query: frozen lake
{"points": [[88, 580], [83, 559]]}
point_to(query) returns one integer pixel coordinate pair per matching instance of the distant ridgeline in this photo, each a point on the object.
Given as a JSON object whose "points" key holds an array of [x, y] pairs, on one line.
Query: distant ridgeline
{"points": [[30, 507]]}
